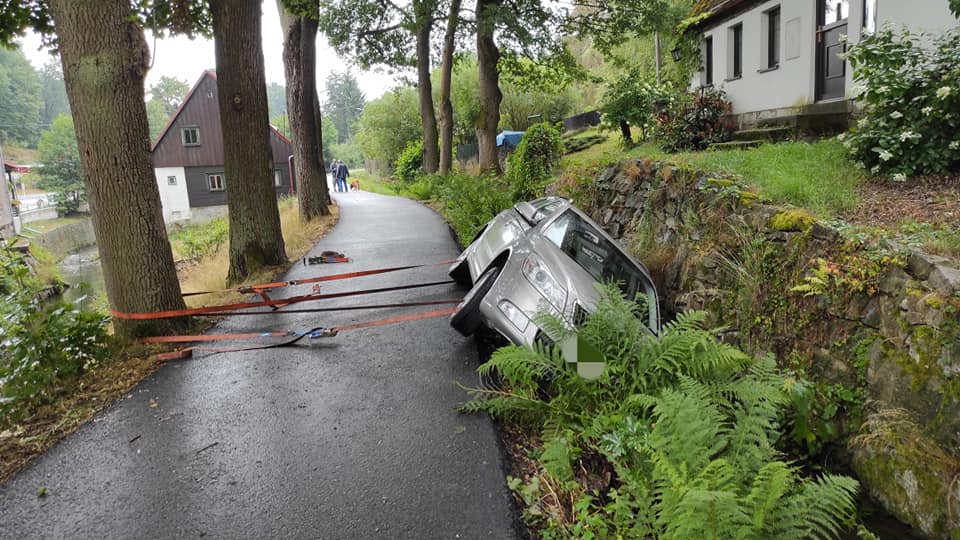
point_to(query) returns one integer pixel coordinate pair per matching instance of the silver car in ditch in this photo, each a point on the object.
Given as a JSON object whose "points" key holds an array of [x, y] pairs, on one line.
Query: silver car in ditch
{"points": [[543, 256]]}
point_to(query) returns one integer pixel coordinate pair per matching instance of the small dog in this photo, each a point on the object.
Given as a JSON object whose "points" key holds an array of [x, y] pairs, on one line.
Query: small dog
{"points": [[354, 185]]}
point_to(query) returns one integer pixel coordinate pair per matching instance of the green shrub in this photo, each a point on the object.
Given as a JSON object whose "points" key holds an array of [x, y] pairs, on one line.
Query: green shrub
{"points": [[195, 241], [686, 424], [694, 121], [45, 343], [634, 101], [410, 163], [912, 104], [532, 164], [469, 202]]}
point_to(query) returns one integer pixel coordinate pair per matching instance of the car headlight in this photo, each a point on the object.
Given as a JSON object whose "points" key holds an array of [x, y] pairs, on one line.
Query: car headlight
{"points": [[537, 274]]}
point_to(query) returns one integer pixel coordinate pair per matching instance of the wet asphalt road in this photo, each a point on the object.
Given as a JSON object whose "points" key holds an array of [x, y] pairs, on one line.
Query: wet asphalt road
{"points": [[349, 437]]}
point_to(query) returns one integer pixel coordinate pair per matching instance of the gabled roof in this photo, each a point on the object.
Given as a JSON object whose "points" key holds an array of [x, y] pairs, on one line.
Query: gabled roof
{"points": [[718, 9], [173, 118]]}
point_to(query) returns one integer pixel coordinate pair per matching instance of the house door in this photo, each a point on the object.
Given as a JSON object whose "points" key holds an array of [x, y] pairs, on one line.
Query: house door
{"points": [[831, 68]]}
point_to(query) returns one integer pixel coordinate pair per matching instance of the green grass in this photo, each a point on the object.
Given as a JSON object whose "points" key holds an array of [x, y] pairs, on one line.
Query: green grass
{"points": [[817, 176], [48, 225], [373, 184]]}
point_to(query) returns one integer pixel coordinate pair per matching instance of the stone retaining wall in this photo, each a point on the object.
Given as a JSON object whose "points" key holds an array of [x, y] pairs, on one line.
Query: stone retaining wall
{"points": [[874, 325], [68, 238]]}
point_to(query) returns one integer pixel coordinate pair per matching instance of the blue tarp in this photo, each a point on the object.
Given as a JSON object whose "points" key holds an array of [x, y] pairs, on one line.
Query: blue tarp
{"points": [[509, 138]]}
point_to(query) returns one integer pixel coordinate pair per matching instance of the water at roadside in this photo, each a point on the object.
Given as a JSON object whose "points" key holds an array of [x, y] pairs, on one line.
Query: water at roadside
{"points": [[83, 275]]}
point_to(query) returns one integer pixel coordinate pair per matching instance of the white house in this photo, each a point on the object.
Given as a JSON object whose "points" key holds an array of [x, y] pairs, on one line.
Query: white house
{"points": [[778, 60]]}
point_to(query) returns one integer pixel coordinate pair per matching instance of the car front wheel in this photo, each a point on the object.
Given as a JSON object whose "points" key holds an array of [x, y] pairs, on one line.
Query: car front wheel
{"points": [[467, 318]]}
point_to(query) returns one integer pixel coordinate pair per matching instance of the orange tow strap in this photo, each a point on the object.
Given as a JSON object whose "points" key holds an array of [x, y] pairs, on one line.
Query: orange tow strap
{"points": [[318, 332], [318, 279], [274, 303]]}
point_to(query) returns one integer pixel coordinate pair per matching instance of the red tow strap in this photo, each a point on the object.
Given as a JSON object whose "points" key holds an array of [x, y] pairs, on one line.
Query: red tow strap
{"points": [[318, 279], [278, 303], [297, 336]]}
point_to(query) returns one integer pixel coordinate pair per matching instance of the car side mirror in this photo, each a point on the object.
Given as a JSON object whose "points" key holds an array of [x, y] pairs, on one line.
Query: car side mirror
{"points": [[528, 212]]}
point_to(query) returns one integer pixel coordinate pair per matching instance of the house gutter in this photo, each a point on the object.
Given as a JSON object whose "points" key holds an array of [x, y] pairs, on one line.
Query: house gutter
{"points": [[293, 184]]}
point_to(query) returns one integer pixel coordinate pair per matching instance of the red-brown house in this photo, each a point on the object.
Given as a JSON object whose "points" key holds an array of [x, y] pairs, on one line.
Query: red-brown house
{"points": [[188, 158]]}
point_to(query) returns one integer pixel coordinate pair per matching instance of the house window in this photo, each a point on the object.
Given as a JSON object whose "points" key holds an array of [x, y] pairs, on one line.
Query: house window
{"points": [[708, 60], [190, 136], [773, 37], [215, 182], [735, 65], [276, 177], [171, 180], [869, 16]]}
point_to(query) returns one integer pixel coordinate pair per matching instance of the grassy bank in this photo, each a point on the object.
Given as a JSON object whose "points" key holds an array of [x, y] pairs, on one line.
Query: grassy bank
{"points": [[815, 175]]}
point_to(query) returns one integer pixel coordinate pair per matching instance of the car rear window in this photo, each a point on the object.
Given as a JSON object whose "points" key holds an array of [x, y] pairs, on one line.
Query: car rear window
{"points": [[598, 256]]}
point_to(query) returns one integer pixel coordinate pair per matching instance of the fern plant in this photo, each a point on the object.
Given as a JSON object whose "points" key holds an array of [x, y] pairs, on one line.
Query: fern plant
{"points": [[687, 424]]}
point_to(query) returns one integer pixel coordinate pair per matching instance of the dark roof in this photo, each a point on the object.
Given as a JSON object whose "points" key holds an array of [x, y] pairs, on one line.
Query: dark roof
{"points": [[718, 9], [213, 75]]}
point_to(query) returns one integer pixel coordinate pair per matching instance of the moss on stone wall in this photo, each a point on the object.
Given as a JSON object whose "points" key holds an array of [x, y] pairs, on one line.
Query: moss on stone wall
{"points": [[861, 321]]}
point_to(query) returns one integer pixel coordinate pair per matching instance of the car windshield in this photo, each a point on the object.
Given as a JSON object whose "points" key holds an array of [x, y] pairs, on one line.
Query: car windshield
{"points": [[599, 257]]}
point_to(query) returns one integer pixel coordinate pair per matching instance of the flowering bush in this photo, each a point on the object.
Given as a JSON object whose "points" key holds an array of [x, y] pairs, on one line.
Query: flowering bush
{"points": [[911, 93], [694, 121]]}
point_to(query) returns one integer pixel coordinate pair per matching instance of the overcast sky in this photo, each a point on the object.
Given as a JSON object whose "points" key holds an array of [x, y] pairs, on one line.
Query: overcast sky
{"points": [[186, 59]]}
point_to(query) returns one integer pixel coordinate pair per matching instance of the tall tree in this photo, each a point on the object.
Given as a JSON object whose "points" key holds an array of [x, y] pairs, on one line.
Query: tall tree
{"points": [[54, 93], [303, 106], [59, 158], [157, 117], [520, 37], [169, 92], [488, 58], [255, 236], [276, 98], [20, 98], [422, 25], [623, 20], [344, 103], [446, 75], [387, 126], [105, 58], [382, 32]]}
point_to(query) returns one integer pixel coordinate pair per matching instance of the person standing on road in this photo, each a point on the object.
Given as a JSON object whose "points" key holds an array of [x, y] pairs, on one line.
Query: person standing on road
{"points": [[333, 174], [342, 175]]}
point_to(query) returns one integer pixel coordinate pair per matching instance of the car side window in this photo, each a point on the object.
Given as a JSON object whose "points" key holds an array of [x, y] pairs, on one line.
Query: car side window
{"points": [[558, 230]]}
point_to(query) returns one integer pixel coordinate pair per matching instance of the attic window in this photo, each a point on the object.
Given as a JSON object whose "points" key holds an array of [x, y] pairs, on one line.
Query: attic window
{"points": [[210, 94], [190, 136]]}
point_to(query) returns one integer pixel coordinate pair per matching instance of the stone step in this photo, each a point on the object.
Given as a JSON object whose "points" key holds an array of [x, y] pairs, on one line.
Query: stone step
{"points": [[736, 145], [779, 133]]}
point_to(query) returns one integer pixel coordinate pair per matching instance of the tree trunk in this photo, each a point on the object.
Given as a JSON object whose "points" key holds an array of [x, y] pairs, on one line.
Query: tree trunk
{"points": [[105, 58], [255, 237], [488, 55], [658, 61], [625, 132], [299, 63], [446, 75], [431, 152]]}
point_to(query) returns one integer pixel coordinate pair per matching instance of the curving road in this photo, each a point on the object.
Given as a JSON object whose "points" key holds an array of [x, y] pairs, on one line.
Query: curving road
{"points": [[350, 437]]}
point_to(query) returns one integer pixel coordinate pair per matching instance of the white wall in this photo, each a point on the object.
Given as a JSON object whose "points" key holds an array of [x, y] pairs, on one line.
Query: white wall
{"points": [[176, 202], [793, 83], [789, 85]]}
